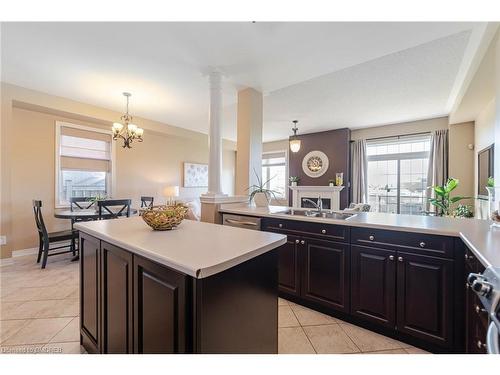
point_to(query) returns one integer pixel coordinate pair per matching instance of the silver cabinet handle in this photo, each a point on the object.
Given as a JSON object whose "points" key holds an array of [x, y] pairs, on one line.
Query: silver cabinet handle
{"points": [[480, 344], [479, 309], [280, 225], [391, 257], [302, 242], [371, 238], [400, 259], [297, 241], [230, 221], [422, 244], [323, 231]]}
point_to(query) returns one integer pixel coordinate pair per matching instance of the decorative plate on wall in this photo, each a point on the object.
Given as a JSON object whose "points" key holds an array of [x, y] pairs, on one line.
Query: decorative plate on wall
{"points": [[315, 164]]}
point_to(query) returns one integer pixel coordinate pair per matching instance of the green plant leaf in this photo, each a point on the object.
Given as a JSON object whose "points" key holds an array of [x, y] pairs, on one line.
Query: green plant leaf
{"points": [[439, 190], [458, 198], [450, 185]]}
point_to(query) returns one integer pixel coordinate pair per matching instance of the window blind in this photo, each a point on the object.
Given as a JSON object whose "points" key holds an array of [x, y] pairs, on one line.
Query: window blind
{"points": [[84, 150]]}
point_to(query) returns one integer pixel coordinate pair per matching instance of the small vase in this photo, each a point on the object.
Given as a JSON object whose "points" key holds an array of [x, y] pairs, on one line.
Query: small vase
{"points": [[331, 184], [294, 183], [261, 200]]}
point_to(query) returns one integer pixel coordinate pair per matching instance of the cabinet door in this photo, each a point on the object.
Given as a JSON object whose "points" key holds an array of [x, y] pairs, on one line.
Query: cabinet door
{"points": [[159, 308], [326, 273], [288, 266], [373, 285], [425, 297], [476, 317], [90, 292], [116, 265]]}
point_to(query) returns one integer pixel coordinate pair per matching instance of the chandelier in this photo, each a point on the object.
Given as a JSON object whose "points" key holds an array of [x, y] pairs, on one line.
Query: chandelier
{"points": [[294, 140], [127, 131]]}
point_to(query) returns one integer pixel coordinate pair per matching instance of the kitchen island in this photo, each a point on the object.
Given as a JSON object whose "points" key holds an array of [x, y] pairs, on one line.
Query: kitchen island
{"points": [[200, 288]]}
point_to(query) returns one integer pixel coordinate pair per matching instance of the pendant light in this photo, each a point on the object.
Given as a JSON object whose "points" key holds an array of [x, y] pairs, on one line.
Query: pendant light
{"points": [[294, 141]]}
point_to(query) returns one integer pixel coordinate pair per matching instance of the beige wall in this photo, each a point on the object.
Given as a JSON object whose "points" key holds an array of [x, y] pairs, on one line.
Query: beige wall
{"points": [[403, 128], [484, 133], [461, 157], [28, 159]]}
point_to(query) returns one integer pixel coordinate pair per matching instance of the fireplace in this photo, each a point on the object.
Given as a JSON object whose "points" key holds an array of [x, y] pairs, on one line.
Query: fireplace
{"points": [[327, 202], [330, 196]]}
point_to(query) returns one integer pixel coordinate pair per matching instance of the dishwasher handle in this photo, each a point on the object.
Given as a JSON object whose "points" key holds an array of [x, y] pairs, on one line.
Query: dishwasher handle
{"points": [[238, 222]]}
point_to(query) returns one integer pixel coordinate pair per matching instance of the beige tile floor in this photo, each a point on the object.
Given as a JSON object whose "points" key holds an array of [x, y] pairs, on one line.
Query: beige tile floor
{"points": [[39, 308], [302, 330], [39, 314]]}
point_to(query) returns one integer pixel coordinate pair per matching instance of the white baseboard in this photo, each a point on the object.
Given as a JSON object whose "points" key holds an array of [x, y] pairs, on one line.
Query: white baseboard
{"points": [[23, 252], [6, 262]]}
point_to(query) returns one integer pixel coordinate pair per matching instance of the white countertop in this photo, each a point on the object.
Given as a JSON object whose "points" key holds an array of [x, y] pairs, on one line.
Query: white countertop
{"points": [[194, 248], [482, 240]]}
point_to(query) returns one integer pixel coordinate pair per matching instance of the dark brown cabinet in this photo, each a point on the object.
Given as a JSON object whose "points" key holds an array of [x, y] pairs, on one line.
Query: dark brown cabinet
{"points": [[288, 263], [90, 293], [160, 308], [116, 300], [314, 263], [326, 273], [373, 285], [130, 304], [425, 298]]}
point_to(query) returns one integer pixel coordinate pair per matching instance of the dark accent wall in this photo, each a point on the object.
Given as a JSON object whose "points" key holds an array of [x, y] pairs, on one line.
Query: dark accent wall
{"points": [[335, 144]]}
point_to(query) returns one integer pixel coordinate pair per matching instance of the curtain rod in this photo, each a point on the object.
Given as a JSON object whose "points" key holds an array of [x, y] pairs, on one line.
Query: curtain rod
{"points": [[397, 136]]}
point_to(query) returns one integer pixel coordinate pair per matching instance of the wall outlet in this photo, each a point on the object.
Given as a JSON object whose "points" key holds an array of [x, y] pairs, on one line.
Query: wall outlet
{"points": [[3, 240]]}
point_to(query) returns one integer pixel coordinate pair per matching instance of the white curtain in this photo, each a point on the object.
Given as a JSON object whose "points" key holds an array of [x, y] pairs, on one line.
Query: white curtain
{"points": [[437, 174], [359, 172]]}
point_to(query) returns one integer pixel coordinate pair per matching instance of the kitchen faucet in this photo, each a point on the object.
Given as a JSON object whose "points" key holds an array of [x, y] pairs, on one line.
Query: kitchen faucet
{"points": [[318, 205]]}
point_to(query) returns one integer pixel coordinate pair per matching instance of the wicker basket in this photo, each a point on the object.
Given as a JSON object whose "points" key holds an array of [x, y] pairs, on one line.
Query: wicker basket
{"points": [[164, 217]]}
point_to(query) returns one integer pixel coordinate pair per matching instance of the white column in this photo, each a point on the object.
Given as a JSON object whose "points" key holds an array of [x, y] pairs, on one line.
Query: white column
{"points": [[214, 135]]}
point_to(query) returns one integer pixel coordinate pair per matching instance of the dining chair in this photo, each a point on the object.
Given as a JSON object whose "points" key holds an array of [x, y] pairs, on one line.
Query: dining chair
{"points": [[106, 210], [46, 238], [147, 202], [81, 203]]}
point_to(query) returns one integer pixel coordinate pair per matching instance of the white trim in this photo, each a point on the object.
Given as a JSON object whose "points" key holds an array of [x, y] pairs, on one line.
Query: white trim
{"points": [[112, 175], [6, 262], [23, 252]]}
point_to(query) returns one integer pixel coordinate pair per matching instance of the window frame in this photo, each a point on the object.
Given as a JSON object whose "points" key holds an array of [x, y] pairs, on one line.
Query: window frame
{"points": [[285, 151], [111, 176], [398, 157]]}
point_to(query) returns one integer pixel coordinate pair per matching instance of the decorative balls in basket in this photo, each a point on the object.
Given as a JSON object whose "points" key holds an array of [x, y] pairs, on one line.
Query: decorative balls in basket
{"points": [[164, 217]]}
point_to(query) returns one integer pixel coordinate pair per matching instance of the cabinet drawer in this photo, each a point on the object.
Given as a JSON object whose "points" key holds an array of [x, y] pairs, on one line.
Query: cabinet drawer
{"points": [[427, 244], [339, 233]]}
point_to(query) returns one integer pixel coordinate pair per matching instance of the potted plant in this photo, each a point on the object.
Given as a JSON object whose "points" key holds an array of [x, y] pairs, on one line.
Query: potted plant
{"points": [[463, 210], [260, 194], [331, 182], [442, 200], [294, 180]]}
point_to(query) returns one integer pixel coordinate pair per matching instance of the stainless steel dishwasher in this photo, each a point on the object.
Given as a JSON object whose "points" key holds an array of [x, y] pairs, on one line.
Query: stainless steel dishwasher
{"points": [[247, 222]]}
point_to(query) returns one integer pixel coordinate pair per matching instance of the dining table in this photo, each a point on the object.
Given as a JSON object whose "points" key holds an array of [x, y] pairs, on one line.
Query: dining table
{"points": [[87, 215]]}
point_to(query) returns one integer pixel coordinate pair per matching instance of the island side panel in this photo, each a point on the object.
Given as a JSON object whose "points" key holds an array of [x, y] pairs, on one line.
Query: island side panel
{"points": [[237, 310]]}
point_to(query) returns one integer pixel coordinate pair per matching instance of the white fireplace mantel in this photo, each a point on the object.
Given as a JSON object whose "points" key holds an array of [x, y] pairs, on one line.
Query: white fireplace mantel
{"points": [[329, 192]]}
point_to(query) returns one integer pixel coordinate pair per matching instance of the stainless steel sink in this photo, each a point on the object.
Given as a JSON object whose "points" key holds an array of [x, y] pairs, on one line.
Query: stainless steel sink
{"points": [[324, 214]]}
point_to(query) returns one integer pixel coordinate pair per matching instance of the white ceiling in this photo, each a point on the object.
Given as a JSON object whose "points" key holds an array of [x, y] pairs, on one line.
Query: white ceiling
{"points": [[326, 75]]}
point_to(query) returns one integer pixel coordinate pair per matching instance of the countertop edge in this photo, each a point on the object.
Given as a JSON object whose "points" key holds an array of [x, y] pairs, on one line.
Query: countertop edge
{"points": [[196, 273], [352, 223]]}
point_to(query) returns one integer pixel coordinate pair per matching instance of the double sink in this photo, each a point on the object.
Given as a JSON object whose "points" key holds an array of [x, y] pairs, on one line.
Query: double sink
{"points": [[320, 214]]}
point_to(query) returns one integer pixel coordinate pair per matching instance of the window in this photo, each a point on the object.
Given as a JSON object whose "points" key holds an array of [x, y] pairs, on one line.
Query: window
{"points": [[397, 174], [275, 173], [83, 162]]}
